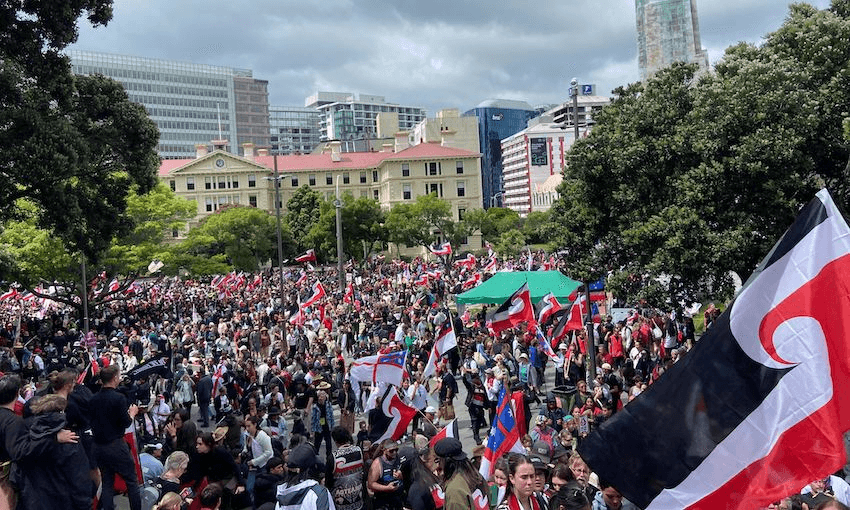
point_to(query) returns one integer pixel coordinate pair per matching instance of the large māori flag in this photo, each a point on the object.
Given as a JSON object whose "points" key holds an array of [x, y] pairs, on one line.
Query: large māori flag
{"points": [[155, 365], [756, 410]]}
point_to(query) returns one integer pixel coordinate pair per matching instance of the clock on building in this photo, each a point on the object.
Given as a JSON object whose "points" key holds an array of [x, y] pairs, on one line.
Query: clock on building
{"points": [[219, 162]]}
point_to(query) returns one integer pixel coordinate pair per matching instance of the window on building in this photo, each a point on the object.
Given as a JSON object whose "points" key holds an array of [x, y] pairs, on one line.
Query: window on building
{"points": [[374, 176], [252, 200], [294, 181], [234, 183], [222, 182], [312, 179], [208, 183], [209, 204], [459, 166], [362, 177], [375, 195], [406, 192], [173, 185], [252, 181], [461, 188], [346, 178], [190, 183], [433, 168], [436, 188], [329, 179], [405, 169], [460, 214]]}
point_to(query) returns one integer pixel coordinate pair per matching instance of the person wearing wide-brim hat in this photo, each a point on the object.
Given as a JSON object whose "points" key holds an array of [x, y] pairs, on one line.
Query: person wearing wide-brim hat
{"points": [[465, 487]]}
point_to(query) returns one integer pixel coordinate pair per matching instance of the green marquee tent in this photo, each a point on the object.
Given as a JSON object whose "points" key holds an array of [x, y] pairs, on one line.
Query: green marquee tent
{"points": [[501, 285]]}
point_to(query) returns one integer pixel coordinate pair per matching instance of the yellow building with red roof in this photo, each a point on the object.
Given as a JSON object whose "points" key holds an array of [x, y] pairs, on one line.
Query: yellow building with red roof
{"points": [[397, 174]]}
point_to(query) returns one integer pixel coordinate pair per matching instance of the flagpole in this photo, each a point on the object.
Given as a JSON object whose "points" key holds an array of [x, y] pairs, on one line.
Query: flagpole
{"points": [[591, 338]]}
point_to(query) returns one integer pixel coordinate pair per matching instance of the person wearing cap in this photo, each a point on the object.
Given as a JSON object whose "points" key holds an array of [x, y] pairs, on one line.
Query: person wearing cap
{"points": [[465, 488], [492, 385], [429, 428], [561, 365], [150, 460], [542, 431], [384, 479], [160, 411], [541, 478], [300, 490]]}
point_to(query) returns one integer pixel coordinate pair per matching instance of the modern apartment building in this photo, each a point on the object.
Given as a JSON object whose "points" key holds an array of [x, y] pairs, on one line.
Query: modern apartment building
{"points": [[190, 103], [397, 174], [668, 32], [294, 129], [344, 116], [497, 119]]}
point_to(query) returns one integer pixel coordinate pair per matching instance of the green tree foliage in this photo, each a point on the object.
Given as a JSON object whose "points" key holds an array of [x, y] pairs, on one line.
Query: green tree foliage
{"points": [[536, 227], [32, 253], [363, 229], [154, 215], [302, 212], [684, 179], [414, 224], [245, 235], [510, 243], [72, 145]]}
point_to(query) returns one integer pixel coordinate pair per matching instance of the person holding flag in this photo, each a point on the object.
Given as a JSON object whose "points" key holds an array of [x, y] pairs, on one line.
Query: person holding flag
{"points": [[109, 419]]}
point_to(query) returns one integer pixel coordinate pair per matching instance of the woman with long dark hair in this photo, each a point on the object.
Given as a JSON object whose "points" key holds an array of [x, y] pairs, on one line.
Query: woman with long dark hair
{"points": [[520, 488], [421, 485]]}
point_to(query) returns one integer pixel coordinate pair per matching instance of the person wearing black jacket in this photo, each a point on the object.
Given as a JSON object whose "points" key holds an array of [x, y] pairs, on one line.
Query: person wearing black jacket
{"points": [[265, 486], [216, 465], [110, 417], [204, 391], [54, 482]]}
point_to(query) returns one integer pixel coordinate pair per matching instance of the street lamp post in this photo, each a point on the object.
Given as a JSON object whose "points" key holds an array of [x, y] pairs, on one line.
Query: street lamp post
{"points": [[338, 205], [591, 338], [277, 178], [494, 198]]}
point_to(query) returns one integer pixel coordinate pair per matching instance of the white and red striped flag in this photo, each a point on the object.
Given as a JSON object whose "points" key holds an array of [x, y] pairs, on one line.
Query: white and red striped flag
{"points": [[308, 256]]}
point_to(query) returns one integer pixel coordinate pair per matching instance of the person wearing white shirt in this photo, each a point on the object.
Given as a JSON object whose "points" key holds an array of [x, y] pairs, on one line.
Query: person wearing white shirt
{"points": [[418, 397], [492, 385], [160, 411], [258, 446]]}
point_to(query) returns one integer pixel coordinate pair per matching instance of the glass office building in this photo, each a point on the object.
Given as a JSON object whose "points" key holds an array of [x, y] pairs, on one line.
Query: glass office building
{"points": [[294, 130], [498, 119], [190, 103], [668, 32]]}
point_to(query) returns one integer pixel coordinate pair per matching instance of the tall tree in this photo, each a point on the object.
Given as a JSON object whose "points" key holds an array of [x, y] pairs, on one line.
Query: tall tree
{"points": [[363, 229], [302, 212], [416, 224], [153, 215], [72, 145], [684, 180]]}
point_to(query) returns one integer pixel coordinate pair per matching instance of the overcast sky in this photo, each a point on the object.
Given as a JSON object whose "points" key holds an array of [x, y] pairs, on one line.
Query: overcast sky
{"points": [[430, 53]]}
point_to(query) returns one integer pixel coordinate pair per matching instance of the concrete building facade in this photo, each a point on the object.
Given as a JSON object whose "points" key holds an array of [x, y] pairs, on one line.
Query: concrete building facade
{"points": [[190, 103], [398, 174], [668, 32]]}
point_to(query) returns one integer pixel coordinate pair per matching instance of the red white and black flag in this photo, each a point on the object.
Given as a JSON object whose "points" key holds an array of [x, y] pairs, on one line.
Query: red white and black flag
{"points": [[450, 430], [547, 307], [309, 255], [756, 410], [516, 310], [441, 250]]}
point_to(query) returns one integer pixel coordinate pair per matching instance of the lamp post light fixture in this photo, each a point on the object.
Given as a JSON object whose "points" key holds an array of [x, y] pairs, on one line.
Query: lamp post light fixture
{"points": [[495, 198], [277, 178], [591, 338], [338, 205]]}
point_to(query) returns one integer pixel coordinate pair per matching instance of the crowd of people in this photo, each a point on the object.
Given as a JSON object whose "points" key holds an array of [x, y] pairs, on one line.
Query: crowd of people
{"points": [[253, 406]]}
